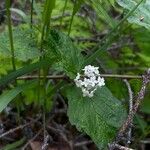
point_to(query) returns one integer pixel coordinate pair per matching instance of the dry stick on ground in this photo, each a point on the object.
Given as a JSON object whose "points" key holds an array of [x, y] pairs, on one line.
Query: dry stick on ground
{"points": [[63, 136], [17, 128], [31, 140], [139, 98], [79, 144], [117, 146]]}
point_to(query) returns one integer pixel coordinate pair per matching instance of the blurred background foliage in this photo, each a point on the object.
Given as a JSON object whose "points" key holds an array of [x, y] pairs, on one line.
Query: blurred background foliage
{"points": [[92, 20]]}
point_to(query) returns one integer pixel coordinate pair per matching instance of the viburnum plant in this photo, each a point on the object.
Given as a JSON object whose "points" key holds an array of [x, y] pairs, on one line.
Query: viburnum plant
{"points": [[90, 82], [92, 107]]}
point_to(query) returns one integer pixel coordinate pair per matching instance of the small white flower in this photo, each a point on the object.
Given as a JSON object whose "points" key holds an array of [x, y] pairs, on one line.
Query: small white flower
{"points": [[90, 82], [101, 81]]}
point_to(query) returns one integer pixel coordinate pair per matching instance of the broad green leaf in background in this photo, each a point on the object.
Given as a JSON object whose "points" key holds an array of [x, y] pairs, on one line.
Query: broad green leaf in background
{"points": [[60, 47], [145, 106], [100, 116], [7, 97], [141, 123], [142, 39], [141, 16], [24, 45], [5, 65]]}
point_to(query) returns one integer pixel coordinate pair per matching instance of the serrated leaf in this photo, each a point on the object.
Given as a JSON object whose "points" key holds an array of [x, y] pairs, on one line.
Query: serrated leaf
{"points": [[7, 97], [100, 116], [141, 16], [24, 45], [60, 47]]}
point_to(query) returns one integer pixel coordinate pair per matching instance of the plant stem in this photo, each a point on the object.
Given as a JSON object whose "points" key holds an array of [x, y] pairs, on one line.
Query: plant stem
{"points": [[48, 7], [71, 20], [31, 21], [12, 50], [10, 34], [66, 1]]}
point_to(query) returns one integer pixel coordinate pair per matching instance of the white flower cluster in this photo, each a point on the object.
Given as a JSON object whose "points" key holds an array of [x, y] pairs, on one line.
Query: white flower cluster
{"points": [[90, 80]]}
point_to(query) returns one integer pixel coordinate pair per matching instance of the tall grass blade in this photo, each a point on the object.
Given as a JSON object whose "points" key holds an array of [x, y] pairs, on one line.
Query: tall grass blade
{"points": [[7, 97]]}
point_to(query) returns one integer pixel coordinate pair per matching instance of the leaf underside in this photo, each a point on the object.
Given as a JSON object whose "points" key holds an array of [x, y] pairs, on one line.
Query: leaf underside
{"points": [[141, 16], [24, 44]]}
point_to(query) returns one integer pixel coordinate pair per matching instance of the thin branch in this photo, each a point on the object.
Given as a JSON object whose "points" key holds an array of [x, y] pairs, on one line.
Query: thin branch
{"points": [[139, 98], [130, 109], [114, 146], [17, 128], [83, 143], [31, 140], [30, 77]]}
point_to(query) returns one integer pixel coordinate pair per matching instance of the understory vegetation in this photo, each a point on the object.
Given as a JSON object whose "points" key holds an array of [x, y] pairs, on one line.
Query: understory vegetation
{"points": [[74, 74]]}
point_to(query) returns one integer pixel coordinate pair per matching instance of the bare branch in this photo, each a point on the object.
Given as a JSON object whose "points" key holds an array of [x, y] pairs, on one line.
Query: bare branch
{"points": [[114, 146], [139, 98], [30, 77], [130, 109], [17, 128]]}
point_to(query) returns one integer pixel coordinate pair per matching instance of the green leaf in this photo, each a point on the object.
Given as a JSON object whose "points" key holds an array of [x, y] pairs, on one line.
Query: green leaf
{"points": [[112, 2], [141, 123], [102, 12], [7, 97], [77, 6], [145, 106], [26, 69], [60, 47], [24, 45], [48, 8], [14, 145], [100, 116], [141, 16]]}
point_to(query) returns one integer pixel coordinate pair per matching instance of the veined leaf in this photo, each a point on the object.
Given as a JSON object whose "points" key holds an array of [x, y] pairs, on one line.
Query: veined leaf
{"points": [[7, 97], [24, 45], [100, 116], [60, 47], [141, 16]]}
